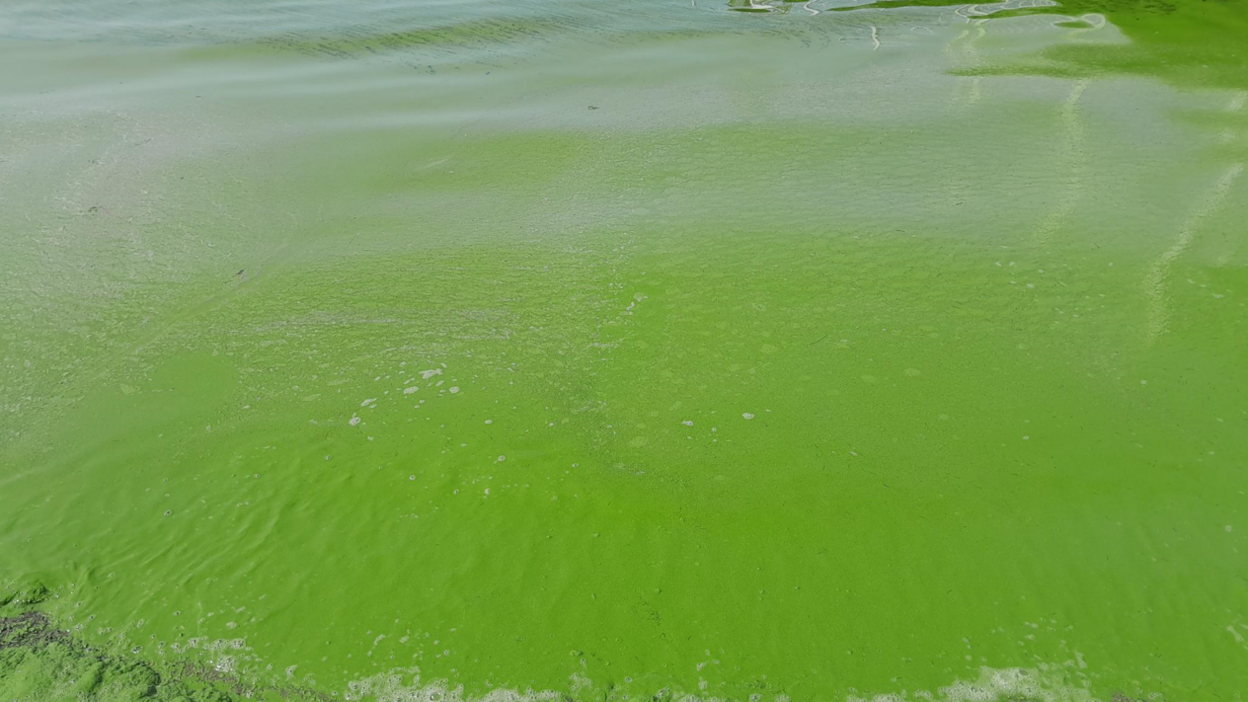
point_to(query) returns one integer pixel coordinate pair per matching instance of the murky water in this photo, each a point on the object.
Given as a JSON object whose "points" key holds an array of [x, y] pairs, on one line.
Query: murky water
{"points": [[400, 349]]}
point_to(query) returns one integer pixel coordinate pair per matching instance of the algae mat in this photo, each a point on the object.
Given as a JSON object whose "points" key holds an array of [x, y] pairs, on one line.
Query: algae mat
{"points": [[667, 349]]}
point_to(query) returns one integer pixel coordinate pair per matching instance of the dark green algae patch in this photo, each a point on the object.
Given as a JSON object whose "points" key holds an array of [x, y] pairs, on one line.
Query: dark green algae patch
{"points": [[41, 662], [1188, 43]]}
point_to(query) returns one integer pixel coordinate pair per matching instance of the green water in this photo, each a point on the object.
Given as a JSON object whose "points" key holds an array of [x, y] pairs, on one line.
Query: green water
{"points": [[427, 349]]}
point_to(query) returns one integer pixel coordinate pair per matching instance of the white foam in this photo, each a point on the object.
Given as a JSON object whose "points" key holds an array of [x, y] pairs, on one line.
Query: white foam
{"points": [[1043, 684]]}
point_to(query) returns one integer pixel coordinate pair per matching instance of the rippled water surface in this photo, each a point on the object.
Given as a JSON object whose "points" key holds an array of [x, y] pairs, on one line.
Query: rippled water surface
{"points": [[662, 349]]}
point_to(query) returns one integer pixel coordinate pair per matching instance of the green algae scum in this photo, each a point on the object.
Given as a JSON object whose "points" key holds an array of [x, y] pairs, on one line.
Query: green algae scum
{"points": [[669, 350]]}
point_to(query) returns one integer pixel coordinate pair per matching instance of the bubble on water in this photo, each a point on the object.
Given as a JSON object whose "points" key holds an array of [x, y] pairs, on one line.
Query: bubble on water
{"points": [[454, 389], [368, 402], [489, 421], [225, 664], [412, 389], [501, 459], [747, 415], [427, 374], [354, 421], [688, 422]]}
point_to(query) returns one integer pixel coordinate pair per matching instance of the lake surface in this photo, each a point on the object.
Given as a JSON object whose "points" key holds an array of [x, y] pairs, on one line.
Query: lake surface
{"points": [[566, 349]]}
